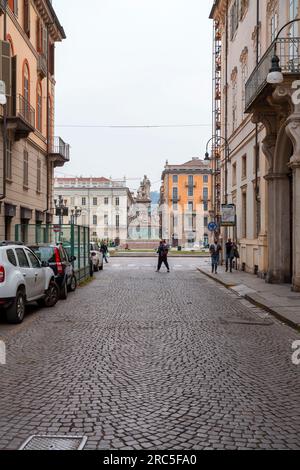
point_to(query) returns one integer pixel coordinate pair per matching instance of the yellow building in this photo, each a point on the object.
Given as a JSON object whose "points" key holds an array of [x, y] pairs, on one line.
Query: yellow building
{"points": [[29, 151], [185, 203]]}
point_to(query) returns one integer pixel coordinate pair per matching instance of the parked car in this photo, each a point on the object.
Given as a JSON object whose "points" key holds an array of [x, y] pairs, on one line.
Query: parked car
{"points": [[96, 257], [23, 279], [61, 263]]}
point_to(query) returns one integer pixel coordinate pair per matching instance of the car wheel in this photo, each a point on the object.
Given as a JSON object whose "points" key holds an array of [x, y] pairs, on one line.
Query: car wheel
{"points": [[16, 312], [64, 291], [52, 295], [73, 284]]}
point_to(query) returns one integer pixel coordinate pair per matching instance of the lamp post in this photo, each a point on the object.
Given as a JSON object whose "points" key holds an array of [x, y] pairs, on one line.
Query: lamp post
{"points": [[227, 152], [75, 213], [275, 76], [61, 209]]}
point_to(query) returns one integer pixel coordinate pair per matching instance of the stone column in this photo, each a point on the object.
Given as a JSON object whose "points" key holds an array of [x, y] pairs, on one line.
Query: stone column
{"points": [[279, 228], [293, 131]]}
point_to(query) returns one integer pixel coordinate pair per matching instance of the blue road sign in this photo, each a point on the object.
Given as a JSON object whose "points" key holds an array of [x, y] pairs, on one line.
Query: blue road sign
{"points": [[212, 226]]}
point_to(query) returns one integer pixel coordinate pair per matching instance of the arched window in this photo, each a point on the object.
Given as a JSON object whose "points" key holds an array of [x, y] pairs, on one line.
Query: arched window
{"points": [[26, 83], [39, 107]]}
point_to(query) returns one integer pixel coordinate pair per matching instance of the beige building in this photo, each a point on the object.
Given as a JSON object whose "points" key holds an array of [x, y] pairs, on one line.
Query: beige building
{"points": [[261, 122], [29, 30], [99, 203]]}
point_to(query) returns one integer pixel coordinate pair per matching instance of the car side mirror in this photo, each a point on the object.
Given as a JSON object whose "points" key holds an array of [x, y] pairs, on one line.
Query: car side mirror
{"points": [[45, 264]]}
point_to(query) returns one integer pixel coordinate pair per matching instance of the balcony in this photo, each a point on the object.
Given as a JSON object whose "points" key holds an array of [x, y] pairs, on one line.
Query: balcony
{"points": [[257, 88], [42, 66], [59, 152], [20, 117]]}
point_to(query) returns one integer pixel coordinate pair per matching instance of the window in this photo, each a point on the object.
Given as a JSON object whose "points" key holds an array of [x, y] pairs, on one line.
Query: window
{"points": [[23, 261], [106, 201], [274, 25], [190, 207], [117, 201], [95, 201], [234, 174], [175, 220], [234, 18], [205, 206], [72, 201], [205, 221], [25, 168], [205, 194], [191, 180], [244, 80], [95, 220], [27, 17], [205, 178], [83, 201], [39, 105], [117, 221], [33, 259], [14, 6], [105, 219], [244, 214], [234, 105], [9, 160], [175, 179], [39, 176], [244, 167], [256, 157], [26, 84], [11, 257], [175, 195]]}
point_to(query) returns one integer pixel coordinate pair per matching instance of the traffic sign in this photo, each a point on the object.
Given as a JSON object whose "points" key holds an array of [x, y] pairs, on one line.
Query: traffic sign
{"points": [[212, 226]]}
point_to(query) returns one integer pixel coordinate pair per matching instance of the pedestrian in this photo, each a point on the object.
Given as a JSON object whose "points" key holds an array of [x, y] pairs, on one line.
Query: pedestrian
{"points": [[215, 250], [104, 250], [229, 248], [163, 251]]}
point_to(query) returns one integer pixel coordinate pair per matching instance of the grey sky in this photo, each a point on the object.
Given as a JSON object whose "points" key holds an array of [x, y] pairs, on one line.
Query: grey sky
{"points": [[133, 62]]}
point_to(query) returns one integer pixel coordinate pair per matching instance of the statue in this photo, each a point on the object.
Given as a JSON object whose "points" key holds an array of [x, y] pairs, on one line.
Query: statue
{"points": [[143, 193]]}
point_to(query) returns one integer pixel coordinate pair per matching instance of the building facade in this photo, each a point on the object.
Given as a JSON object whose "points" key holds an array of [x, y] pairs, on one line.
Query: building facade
{"points": [[185, 203], [260, 174], [29, 152], [99, 203]]}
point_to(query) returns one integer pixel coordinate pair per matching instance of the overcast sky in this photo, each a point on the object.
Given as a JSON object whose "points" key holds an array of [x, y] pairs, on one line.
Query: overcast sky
{"points": [[133, 62]]}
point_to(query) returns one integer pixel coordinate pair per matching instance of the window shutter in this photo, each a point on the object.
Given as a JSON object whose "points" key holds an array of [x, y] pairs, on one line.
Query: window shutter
{"points": [[38, 35], [14, 84], [16, 7], [11, 4], [52, 59], [27, 17], [5, 65]]}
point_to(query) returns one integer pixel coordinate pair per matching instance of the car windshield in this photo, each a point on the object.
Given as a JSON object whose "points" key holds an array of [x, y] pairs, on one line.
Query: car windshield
{"points": [[45, 253]]}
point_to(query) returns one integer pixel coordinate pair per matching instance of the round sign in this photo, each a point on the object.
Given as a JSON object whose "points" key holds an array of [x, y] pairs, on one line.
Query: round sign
{"points": [[212, 226]]}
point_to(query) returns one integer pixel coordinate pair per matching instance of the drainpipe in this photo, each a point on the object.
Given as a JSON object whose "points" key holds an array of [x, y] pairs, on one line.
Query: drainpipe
{"points": [[256, 125], [4, 127]]}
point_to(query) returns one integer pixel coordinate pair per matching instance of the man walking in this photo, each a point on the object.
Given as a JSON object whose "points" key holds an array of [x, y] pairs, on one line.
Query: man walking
{"points": [[229, 254], [215, 250], [104, 250], [163, 251]]}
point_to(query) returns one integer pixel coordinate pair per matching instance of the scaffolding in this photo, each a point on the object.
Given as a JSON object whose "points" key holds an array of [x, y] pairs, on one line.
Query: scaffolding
{"points": [[217, 123]]}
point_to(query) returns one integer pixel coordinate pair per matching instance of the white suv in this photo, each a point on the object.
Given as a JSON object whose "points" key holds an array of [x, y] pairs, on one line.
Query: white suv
{"points": [[23, 279]]}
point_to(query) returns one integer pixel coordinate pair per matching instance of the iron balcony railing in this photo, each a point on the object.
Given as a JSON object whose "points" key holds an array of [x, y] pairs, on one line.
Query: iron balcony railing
{"points": [[288, 51], [59, 147], [25, 110]]}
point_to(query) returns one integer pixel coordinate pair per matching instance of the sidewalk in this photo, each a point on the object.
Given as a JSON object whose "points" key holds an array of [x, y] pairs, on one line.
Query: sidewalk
{"points": [[277, 299]]}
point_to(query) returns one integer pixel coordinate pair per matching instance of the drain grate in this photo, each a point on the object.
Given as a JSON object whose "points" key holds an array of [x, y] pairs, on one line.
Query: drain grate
{"points": [[246, 322], [54, 443]]}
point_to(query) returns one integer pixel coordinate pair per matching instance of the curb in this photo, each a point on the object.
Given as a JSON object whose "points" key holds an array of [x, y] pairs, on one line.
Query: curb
{"points": [[248, 297]]}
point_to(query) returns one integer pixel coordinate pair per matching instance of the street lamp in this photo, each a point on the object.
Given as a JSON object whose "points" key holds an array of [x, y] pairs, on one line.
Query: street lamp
{"points": [[275, 76], [75, 213], [61, 208]]}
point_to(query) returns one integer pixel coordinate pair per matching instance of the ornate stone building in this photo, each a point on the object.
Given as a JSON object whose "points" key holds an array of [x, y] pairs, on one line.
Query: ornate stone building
{"points": [[262, 125], [29, 152]]}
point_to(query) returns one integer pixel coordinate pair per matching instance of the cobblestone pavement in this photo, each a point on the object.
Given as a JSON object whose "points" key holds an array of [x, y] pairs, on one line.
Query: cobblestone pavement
{"points": [[139, 360]]}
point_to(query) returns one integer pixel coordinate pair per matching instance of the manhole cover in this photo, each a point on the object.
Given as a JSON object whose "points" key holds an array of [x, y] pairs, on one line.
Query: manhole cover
{"points": [[54, 443]]}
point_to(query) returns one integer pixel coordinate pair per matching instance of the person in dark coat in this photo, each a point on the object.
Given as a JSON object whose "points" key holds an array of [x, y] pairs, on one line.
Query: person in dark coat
{"points": [[229, 254], [163, 251], [104, 250]]}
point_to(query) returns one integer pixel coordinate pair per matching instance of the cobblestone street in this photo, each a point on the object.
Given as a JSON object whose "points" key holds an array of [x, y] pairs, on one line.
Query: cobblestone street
{"points": [[140, 360]]}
